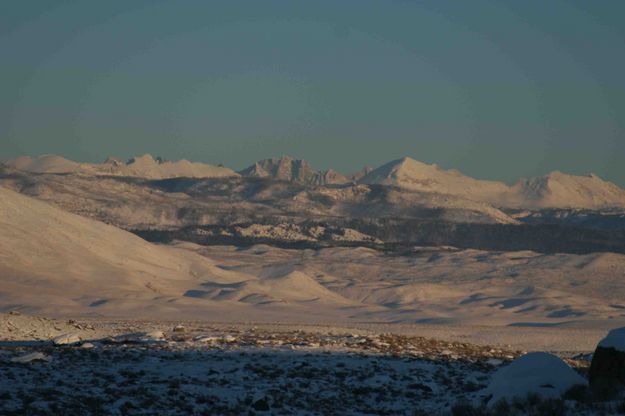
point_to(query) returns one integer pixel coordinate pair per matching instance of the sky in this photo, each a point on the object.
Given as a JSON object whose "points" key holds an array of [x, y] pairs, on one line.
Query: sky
{"points": [[497, 89]]}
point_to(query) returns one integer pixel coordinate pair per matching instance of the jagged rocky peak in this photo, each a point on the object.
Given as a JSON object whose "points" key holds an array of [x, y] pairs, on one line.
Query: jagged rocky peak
{"points": [[361, 173], [113, 161], [144, 159], [284, 168], [327, 177], [287, 168]]}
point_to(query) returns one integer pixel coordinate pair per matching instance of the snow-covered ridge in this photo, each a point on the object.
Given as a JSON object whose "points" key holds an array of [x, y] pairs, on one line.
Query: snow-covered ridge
{"points": [[555, 190], [144, 166]]}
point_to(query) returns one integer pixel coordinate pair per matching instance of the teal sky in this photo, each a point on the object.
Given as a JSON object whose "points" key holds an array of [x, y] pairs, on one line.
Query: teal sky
{"points": [[497, 89]]}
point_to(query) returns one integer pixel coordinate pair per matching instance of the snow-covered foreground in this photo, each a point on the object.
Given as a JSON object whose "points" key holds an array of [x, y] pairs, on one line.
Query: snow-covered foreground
{"points": [[201, 380], [227, 375], [200, 369], [86, 367]]}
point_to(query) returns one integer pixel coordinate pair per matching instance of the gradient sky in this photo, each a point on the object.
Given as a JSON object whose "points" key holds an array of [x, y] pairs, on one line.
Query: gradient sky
{"points": [[497, 89]]}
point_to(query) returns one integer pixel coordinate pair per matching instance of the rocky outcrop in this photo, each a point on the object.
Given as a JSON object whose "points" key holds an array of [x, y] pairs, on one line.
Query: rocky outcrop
{"points": [[288, 169], [607, 370], [327, 177], [31, 357], [355, 177], [283, 168], [66, 339]]}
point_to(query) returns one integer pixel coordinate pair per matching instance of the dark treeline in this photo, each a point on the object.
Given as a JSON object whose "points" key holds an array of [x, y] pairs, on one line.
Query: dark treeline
{"points": [[398, 233]]}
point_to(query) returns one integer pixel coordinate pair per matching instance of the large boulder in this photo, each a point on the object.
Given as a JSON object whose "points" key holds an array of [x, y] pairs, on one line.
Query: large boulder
{"points": [[607, 369], [536, 372]]}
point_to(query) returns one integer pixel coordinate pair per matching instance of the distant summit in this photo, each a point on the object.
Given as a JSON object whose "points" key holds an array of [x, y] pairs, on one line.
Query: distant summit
{"points": [[283, 168], [418, 176], [559, 190], [45, 164], [286, 168]]}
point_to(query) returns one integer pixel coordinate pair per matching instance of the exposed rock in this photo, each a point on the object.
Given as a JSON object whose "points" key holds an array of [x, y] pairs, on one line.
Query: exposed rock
{"points": [[607, 369], [180, 328], [154, 336], [495, 362], [66, 339], [33, 356], [229, 339], [286, 168], [327, 177], [360, 174], [300, 233], [282, 168], [206, 339], [261, 405]]}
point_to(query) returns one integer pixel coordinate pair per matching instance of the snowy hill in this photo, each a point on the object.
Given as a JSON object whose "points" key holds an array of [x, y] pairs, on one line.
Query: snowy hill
{"points": [[58, 262], [80, 261]]}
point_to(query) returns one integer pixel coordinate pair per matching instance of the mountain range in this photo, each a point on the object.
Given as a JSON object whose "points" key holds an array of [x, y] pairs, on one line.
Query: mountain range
{"points": [[555, 190]]}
